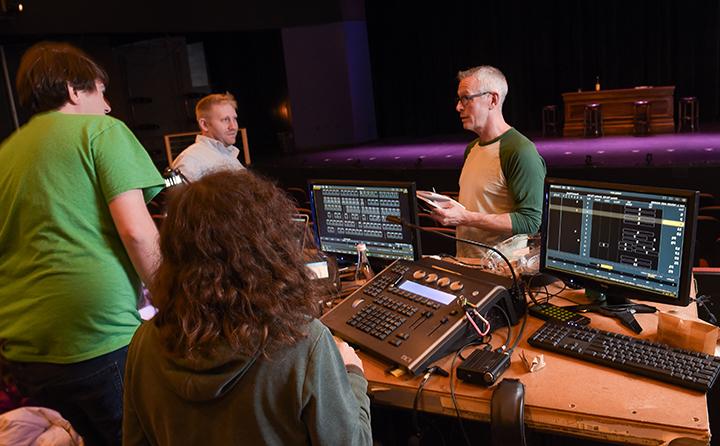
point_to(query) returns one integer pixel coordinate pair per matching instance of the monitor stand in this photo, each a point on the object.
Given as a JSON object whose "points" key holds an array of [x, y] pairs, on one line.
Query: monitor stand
{"points": [[617, 307], [597, 297]]}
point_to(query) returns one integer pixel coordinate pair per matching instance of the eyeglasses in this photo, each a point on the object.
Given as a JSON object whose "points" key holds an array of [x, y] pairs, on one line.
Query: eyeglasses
{"points": [[465, 100]]}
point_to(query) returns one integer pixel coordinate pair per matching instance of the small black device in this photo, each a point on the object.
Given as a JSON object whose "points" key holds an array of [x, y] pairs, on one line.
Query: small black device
{"points": [[483, 367], [560, 315], [685, 368], [174, 177]]}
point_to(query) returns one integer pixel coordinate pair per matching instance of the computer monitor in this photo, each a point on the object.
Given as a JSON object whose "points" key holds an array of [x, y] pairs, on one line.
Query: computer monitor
{"points": [[347, 212], [620, 241]]}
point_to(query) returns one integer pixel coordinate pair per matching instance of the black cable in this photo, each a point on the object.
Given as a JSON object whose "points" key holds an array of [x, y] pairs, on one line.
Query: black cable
{"points": [[548, 295], [507, 319], [486, 341], [529, 289], [520, 333], [453, 377], [428, 374], [519, 290], [516, 284], [557, 293], [700, 302], [415, 422], [466, 264]]}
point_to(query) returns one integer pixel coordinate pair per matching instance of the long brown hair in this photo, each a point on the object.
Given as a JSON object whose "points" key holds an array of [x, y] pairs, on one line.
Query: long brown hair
{"points": [[232, 268]]}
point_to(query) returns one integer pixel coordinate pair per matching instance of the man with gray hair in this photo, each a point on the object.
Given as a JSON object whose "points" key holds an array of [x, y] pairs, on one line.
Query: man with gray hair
{"points": [[214, 148], [501, 182]]}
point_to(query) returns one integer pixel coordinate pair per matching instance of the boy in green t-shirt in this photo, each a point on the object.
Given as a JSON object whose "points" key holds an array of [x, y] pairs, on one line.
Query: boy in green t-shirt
{"points": [[76, 240]]}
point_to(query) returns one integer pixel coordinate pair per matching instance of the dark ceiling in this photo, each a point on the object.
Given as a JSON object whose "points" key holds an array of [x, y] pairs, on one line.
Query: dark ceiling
{"points": [[167, 16]]}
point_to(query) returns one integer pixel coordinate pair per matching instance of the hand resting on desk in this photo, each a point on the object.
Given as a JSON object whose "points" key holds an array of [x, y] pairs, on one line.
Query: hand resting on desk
{"points": [[348, 354]]}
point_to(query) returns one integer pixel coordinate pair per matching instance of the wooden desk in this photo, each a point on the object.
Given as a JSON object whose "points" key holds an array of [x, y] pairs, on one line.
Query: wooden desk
{"points": [[568, 397], [618, 110]]}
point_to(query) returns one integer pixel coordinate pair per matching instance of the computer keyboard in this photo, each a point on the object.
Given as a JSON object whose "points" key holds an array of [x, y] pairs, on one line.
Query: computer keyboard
{"points": [[685, 368]]}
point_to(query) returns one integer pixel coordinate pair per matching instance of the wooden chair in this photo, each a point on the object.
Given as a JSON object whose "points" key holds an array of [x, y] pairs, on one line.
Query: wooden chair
{"points": [[177, 142], [305, 211], [688, 114], [593, 121], [710, 211], [707, 199], [550, 120], [299, 195], [708, 232]]}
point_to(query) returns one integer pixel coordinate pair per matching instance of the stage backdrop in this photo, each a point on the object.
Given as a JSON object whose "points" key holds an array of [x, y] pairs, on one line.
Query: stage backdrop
{"points": [[544, 48]]}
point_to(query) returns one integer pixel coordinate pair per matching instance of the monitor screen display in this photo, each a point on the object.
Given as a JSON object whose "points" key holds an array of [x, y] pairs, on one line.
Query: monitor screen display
{"points": [[624, 241], [349, 212]]}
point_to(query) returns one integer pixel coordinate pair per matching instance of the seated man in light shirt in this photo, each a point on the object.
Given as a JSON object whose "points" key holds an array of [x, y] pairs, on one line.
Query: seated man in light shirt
{"points": [[214, 148]]}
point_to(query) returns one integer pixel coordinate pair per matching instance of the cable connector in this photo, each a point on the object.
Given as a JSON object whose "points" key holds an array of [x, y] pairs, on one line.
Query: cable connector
{"points": [[434, 370]]}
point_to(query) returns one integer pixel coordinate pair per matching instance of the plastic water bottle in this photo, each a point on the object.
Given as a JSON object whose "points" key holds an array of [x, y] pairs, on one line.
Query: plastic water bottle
{"points": [[363, 271]]}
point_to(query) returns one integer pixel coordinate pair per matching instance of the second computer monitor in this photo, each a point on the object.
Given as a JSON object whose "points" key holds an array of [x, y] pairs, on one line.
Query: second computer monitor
{"points": [[348, 212], [624, 241]]}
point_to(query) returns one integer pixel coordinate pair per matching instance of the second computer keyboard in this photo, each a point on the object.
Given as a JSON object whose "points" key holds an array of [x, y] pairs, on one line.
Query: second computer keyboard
{"points": [[685, 368]]}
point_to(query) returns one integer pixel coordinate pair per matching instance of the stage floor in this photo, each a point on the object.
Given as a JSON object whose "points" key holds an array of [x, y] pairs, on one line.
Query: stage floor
{"points": [[687, 160], [666, 150]]}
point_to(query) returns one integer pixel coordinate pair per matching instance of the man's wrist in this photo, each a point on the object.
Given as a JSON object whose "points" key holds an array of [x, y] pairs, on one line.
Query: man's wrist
{"points": [[470, 218]]}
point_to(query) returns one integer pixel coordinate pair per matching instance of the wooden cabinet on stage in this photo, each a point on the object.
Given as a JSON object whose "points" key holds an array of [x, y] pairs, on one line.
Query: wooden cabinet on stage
{"points": [[618, 109]]}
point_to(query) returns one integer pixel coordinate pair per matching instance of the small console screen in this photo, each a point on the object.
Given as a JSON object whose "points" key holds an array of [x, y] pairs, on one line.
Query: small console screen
{"points": [[427, 292]]}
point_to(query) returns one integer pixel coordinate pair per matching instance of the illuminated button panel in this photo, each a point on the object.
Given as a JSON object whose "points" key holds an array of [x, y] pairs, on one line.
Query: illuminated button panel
{"points": [[376, 321], [414, 297], [396, 305], [380, 283]]}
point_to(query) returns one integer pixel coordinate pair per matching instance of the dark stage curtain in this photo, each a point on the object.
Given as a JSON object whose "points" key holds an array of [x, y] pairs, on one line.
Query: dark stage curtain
{"points": [[544, 48]]}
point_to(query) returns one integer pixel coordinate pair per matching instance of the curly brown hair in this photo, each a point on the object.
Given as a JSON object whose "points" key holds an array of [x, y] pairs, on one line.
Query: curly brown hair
{"points": [[232, 269]]}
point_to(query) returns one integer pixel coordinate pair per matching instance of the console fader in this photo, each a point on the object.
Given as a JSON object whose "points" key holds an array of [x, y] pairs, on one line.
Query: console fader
{"points": [[410, 314]]}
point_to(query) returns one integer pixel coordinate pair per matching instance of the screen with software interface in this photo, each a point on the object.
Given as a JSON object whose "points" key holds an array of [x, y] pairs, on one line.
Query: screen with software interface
{"points": [[632, 239], [347, 214]]}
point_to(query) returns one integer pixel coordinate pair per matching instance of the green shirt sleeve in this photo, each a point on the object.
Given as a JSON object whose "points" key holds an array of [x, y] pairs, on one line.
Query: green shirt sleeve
{"points": [[122, 163], [524, 170], [469, 148]]}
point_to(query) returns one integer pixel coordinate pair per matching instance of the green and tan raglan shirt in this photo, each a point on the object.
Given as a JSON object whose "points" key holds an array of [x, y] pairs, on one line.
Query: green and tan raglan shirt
{"points": [[504, 175]]}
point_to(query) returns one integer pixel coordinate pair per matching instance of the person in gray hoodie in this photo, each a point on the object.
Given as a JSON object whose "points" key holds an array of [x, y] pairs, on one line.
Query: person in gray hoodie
{"points": [[235, 355]]}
